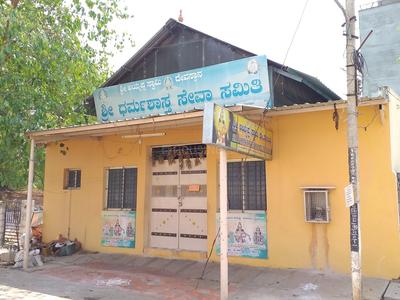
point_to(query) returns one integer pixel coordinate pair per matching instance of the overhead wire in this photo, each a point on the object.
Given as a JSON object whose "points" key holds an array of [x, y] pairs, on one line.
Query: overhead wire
{"points": [[267, 106], [286, 54]]}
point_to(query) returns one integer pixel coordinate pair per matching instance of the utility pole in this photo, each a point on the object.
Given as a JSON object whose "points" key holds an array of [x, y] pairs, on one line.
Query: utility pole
{"points": [[223, 208], [352, 144]]}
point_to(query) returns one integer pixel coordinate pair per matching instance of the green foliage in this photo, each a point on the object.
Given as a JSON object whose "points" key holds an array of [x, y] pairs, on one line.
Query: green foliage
{"points": [[53, 54]]}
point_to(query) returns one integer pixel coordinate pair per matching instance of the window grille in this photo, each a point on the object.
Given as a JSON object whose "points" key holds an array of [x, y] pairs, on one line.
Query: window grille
{"points": [[316, 206], [194, 151], [246, 185], [235, 187], [122, 188], [72, 179]]}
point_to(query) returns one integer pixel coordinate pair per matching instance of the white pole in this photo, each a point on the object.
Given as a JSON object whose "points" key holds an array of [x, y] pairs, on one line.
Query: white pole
{"points": [[223, 206], [28, 212], [352, 144]]}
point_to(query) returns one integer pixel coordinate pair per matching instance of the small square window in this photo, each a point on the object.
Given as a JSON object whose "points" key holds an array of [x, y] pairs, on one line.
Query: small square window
{"points": [[72, 179], [316, 206]]}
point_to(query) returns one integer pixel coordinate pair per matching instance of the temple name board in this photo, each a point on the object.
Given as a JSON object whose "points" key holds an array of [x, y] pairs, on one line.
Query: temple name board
{"points": [[240, 82]]}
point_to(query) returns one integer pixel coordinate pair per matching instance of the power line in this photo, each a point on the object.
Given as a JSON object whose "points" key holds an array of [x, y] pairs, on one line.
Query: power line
{"points": [[279, 74], [262, 116], [286, 55], [295, 31]]}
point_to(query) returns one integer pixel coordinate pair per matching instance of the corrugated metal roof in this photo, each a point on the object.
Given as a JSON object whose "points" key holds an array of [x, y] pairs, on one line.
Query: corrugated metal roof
{"points": [[168, 40]]}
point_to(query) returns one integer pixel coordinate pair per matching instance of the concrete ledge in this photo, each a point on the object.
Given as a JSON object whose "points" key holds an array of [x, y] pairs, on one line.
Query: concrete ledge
{"points": [[175, 254]]}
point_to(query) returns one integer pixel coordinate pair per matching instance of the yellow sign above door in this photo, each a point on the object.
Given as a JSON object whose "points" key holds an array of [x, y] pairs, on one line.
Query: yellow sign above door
{"points": [[228, 130]]}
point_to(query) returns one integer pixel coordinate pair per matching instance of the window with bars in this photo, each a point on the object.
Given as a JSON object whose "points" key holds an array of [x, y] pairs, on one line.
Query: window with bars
{"points": [[72, 179], [246, 185], [121, 188]]}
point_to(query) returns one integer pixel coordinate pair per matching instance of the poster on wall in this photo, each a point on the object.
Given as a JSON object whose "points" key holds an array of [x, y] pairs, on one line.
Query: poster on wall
{"points": [[231, 131], [240, 82], [247, 234], [118, 229]]}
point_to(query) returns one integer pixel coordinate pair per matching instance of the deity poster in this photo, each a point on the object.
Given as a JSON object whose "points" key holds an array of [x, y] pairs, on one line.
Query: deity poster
{"points": [[118, 228], [247, 234], [226, 129]]}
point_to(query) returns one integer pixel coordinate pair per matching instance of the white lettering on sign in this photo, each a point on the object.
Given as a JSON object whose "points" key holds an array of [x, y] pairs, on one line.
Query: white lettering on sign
{"points": [[349, 195]]}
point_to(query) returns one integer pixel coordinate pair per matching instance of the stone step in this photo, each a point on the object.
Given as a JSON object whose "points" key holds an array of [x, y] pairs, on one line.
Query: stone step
{"points": [[393, 291]]}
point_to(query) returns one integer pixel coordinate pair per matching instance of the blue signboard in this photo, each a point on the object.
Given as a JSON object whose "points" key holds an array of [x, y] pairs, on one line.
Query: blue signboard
{"points": [[240, 82]]}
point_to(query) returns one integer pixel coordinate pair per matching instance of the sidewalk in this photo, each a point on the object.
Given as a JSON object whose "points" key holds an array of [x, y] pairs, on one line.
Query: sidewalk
{"points": [[109, 276]]}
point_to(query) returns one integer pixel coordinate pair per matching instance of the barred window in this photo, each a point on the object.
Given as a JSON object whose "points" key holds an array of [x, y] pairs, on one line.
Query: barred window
{"points": [[246, 185], [72, 179], [121, 188]]}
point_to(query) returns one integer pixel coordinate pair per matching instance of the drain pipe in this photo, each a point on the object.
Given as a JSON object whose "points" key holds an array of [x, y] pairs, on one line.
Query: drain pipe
{"points": [[28, 211]]}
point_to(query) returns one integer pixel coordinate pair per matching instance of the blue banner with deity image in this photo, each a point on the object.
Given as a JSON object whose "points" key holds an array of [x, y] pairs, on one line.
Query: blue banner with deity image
{"points": [[247, 234], [239, 82], [118, 228]]}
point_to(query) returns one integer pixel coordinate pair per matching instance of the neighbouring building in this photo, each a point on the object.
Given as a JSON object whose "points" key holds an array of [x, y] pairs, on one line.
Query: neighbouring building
{"points": [[12, 215], [382, 49], [141, 182]]}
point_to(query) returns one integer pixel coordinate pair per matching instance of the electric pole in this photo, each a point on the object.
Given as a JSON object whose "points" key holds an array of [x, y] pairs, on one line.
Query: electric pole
{"points": [[352, 144]]}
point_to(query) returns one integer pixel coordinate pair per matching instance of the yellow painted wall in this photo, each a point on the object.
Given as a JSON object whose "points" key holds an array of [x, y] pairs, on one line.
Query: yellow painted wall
{"points": [[307, 151]]}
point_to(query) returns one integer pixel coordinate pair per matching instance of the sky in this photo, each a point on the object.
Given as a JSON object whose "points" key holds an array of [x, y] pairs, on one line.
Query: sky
{"points": [[262, 27]]}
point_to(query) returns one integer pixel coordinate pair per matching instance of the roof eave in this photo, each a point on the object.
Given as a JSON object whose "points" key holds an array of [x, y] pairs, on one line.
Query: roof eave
{"points": [[187, 119]]}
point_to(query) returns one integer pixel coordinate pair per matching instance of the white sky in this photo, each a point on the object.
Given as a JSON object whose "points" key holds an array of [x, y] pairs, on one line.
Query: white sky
{"points": [[262, 27]]}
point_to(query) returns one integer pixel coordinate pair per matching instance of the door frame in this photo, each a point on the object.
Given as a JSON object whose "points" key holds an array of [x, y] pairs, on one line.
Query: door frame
{"points": [[148, 205]]}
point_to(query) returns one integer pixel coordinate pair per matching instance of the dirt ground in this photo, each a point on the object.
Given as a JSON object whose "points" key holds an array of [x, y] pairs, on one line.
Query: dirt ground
{"points": [[106, 276]]}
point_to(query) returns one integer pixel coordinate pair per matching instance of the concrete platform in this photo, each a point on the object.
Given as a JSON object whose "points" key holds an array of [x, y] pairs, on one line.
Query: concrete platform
{"points": [[393, 291], [111, 276]]}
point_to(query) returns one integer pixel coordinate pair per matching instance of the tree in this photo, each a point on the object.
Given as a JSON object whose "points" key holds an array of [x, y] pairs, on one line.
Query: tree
{"points": [[53, 54]]}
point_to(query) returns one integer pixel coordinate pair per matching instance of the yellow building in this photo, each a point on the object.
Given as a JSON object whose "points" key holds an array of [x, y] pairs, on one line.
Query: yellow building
{"points": [[148, 186]]}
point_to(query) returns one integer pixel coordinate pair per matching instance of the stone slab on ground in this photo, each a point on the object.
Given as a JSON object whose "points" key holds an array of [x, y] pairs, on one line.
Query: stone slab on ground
{"points": [[243, 275], [7, 292], [212, 271], [158, 264], [393, 291], [193, 271], [269, 277], [177, 266], [374, 288], [17, 284]]}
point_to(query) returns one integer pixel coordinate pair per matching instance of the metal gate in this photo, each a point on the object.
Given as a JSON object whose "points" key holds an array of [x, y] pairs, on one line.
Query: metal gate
{"points": [[12, 220], [179, 204]]}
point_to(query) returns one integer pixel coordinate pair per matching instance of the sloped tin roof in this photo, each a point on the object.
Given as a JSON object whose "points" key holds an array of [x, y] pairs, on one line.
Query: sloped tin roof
{"points": [[177, 47]]}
